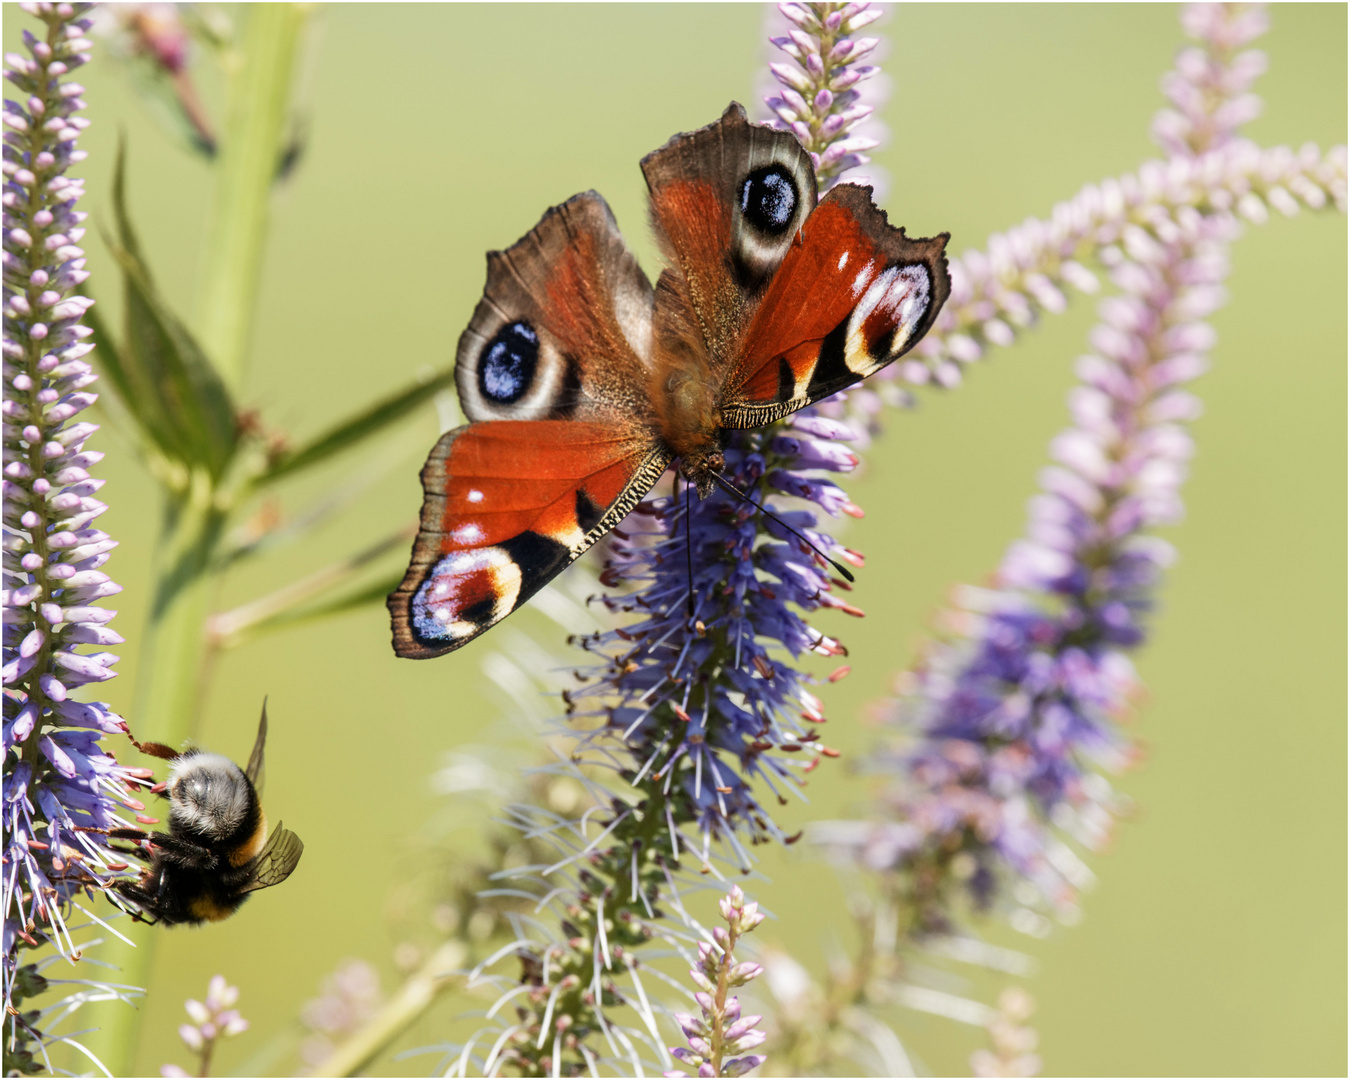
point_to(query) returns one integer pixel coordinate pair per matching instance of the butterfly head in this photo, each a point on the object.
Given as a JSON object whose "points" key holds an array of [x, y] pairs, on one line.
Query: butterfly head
{"points": [[700, 468]]}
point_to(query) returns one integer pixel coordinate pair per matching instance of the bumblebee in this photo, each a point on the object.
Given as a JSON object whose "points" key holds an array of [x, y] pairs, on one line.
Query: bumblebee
{"points": [[217, 850]]}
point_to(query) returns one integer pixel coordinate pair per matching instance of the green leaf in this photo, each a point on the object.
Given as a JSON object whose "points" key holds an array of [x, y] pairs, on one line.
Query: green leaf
{"points": [[162, 374], [143, 408], [357, 428]]}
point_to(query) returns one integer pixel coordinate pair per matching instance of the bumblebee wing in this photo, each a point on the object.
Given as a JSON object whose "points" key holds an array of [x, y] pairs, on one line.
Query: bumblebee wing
{"points": [[254, 772], [276, 861]]}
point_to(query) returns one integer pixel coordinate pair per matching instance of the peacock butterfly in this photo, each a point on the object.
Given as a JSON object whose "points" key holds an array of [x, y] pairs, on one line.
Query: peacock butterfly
{"points": [[583, 383]]}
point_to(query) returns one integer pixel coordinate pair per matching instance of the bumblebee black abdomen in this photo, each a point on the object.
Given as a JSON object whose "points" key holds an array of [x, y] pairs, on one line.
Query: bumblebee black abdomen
{"points": [[215, 897]]}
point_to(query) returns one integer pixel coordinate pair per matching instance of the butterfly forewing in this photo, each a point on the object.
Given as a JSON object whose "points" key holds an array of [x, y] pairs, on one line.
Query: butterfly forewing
{"points": [[564, 326], [727, 201], [554, 364], [508, 505]]}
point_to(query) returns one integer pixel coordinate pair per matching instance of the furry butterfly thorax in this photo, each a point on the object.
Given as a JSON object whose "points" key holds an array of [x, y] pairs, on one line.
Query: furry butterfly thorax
{"points": [[583, 383]]}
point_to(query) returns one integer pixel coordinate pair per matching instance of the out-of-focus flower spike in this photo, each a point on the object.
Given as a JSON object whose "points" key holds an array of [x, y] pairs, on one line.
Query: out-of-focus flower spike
{"points": [[212, 1020], [1007, 729], [158, 35], [821, 104]]}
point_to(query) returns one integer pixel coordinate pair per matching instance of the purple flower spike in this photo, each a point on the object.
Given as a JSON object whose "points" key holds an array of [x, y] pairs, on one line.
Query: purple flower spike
{"points": [[58, 779], [703, 705], [721, 1031], [1008, 727], [821, 97]]}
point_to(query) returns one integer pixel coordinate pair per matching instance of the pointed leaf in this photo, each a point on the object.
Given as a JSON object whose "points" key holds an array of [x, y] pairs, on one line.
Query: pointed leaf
{"points": [[377, 592], [143, 406], [188, 411], [356, 428]]}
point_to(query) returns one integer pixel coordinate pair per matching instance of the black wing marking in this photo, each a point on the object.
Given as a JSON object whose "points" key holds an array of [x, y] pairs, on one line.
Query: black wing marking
{"points": [[254, 772], [277, 860]]}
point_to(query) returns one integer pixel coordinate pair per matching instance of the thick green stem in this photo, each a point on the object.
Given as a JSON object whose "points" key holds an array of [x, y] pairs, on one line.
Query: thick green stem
{"points": [[167, 710], [169, 680], [250, 150]]}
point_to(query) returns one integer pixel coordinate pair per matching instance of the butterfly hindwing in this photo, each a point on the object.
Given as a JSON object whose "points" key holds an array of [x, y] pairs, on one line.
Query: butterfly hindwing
{"points": [[852, 296], [508, 505]]}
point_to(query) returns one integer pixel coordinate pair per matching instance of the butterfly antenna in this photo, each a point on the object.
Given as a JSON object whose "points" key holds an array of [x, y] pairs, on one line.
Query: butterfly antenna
{"points": [[688, 549], [728, 486]]}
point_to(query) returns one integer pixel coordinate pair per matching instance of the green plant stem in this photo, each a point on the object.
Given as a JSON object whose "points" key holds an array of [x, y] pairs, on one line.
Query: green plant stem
{"points": [[250, 149], [167, 710], [117, 1036], [174, 643]]}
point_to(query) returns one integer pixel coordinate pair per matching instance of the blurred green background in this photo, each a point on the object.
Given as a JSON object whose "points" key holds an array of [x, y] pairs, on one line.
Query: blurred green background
{"points": [[1215, 942]]}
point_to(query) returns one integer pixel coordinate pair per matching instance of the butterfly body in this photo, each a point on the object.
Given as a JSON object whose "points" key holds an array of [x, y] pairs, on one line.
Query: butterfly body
{"points": [[584, 383]]}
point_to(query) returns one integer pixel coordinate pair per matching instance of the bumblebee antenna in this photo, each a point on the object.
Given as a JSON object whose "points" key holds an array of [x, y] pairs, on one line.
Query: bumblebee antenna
{"points": [[728, 486]]}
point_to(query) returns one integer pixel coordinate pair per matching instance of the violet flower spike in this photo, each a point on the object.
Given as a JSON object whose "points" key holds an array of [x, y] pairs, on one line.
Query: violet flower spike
{"points": [[212, 1020], [1011, 723], [689, 708], [703, 707], [720, 1035], [58, 778], [689, 712], [824, 96]]}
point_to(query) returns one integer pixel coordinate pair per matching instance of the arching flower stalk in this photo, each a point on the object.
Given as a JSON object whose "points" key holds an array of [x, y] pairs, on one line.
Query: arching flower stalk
{"points": [[58, 777], [1008, 729]]}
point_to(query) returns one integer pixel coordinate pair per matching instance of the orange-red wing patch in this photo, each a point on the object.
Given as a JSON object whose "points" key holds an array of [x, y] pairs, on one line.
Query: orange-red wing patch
{"points": [[509, 504], [850, 297], [694, 213]]}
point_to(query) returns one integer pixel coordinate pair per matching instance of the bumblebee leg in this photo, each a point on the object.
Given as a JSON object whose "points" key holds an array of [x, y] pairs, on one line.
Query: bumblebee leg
{"points": [[183, 852], [138, 895], [154, 749], [117, 834]]}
